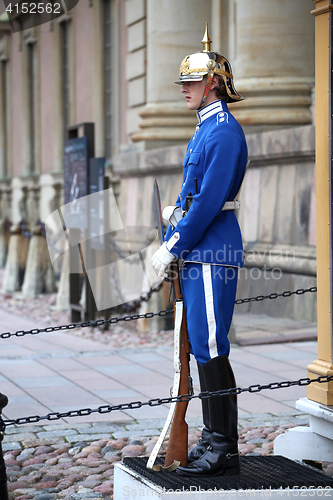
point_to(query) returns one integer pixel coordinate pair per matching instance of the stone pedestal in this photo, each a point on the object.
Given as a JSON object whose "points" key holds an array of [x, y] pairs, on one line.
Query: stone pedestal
{"points": [[39, 276], [309, 443], [16, 261], [131, 484]]}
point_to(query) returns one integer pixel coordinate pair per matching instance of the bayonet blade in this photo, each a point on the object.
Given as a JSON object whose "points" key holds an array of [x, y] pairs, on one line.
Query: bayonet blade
{"points": [[158, 211]]}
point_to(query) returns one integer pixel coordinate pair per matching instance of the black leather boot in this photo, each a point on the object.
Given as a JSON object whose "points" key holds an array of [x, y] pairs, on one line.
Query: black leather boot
{"points": [[204, 441], [221, 456]]}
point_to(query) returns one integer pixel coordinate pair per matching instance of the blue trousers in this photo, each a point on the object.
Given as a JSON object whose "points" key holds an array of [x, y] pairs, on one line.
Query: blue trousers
{"points": [[209, 293]]}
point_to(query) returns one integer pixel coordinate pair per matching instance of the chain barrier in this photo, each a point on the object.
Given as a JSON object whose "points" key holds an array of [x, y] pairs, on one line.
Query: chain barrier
{"points": [[130, 258], [135, 304], [113, 276], [288, 293], [24, 228], [84, 324], [149, 315], [161, 401], [157, 401], [42, 227], [52, 242], [8, 224]]}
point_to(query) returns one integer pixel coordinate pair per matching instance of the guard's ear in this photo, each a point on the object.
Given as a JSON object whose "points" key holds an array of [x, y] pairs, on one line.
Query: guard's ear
{"points": [[215, 82]]}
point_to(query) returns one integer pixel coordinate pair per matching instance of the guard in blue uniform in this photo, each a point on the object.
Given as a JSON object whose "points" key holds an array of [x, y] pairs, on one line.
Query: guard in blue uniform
{"points": [[204, 233]]}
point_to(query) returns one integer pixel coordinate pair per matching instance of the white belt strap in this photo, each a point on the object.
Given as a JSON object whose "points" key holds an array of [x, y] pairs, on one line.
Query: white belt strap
{"points": [[231, 205], [175, 390]]}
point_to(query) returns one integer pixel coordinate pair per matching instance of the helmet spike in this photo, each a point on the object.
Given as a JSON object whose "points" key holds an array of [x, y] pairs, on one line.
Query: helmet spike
{"points": [[206, 41]]}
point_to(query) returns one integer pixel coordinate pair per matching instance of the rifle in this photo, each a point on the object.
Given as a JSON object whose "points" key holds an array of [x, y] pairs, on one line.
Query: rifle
{"points": [[177, 447], [178, 440]]}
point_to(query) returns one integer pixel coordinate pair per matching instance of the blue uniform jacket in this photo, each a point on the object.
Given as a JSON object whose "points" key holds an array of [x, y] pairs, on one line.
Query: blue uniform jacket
{"points": [[216, 156]]}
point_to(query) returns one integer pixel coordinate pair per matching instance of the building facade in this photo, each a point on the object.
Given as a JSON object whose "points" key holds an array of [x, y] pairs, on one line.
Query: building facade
{"points": [[114, 63]]}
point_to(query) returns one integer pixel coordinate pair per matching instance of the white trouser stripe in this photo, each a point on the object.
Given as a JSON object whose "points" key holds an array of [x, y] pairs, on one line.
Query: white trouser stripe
{"points": [[207, 279]]}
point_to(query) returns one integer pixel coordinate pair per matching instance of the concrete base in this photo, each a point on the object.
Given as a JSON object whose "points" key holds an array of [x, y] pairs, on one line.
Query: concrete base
{"points": [[129, 485], [309, 443]]}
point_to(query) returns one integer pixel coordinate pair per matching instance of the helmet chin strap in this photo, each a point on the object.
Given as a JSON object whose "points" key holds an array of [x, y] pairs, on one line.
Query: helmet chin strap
{"points": [[210, 65], [207, 89]]}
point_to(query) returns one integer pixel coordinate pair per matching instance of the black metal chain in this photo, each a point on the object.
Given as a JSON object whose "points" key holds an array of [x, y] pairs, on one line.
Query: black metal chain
{"points": [[115, 320], [134, 304], [161, 401], [288, 293], [71, 326], [157, 401]]}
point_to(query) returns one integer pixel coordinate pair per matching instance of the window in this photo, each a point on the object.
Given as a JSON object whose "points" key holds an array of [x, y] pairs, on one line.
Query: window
{"points": [[108, 114], [31, 108], [4, 118], [65, 90]]}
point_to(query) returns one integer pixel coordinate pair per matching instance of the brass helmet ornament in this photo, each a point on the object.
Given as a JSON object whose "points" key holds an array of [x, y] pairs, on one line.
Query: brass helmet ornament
{"points": [[195, 66]]}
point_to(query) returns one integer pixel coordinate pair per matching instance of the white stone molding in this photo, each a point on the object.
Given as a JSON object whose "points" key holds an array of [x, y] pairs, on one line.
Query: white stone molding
{"points": [[309, 443]]}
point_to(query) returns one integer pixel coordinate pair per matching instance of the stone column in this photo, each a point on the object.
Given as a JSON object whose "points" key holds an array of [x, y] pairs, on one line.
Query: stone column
{"points": [[271, 48], [174, 29], [323, 393], [315, 442]]}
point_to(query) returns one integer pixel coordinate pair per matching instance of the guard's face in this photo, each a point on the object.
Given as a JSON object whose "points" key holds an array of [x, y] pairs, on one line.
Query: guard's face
{"points": [[193, 92]]}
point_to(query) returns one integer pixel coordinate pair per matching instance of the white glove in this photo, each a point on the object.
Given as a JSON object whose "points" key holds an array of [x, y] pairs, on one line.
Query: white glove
{"points": [[160, 261]]}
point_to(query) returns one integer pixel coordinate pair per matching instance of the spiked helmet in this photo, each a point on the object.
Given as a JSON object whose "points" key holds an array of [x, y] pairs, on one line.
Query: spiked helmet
{"points": [[195, 66]]}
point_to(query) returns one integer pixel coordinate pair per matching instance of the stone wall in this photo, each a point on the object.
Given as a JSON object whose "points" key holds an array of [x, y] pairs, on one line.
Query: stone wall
{"points": [[277, 218], [277, 214]]}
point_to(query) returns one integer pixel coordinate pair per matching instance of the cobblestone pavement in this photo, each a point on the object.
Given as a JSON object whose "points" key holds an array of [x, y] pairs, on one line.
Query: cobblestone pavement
{"points": [[74, 462]]}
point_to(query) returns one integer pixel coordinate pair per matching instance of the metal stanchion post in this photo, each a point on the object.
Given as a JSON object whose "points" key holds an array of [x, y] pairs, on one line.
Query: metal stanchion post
{"points": [[3, 477]]}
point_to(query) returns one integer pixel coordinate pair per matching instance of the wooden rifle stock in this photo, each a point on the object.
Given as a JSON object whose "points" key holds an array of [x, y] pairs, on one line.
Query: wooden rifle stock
{"points": [[178, 440]]}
